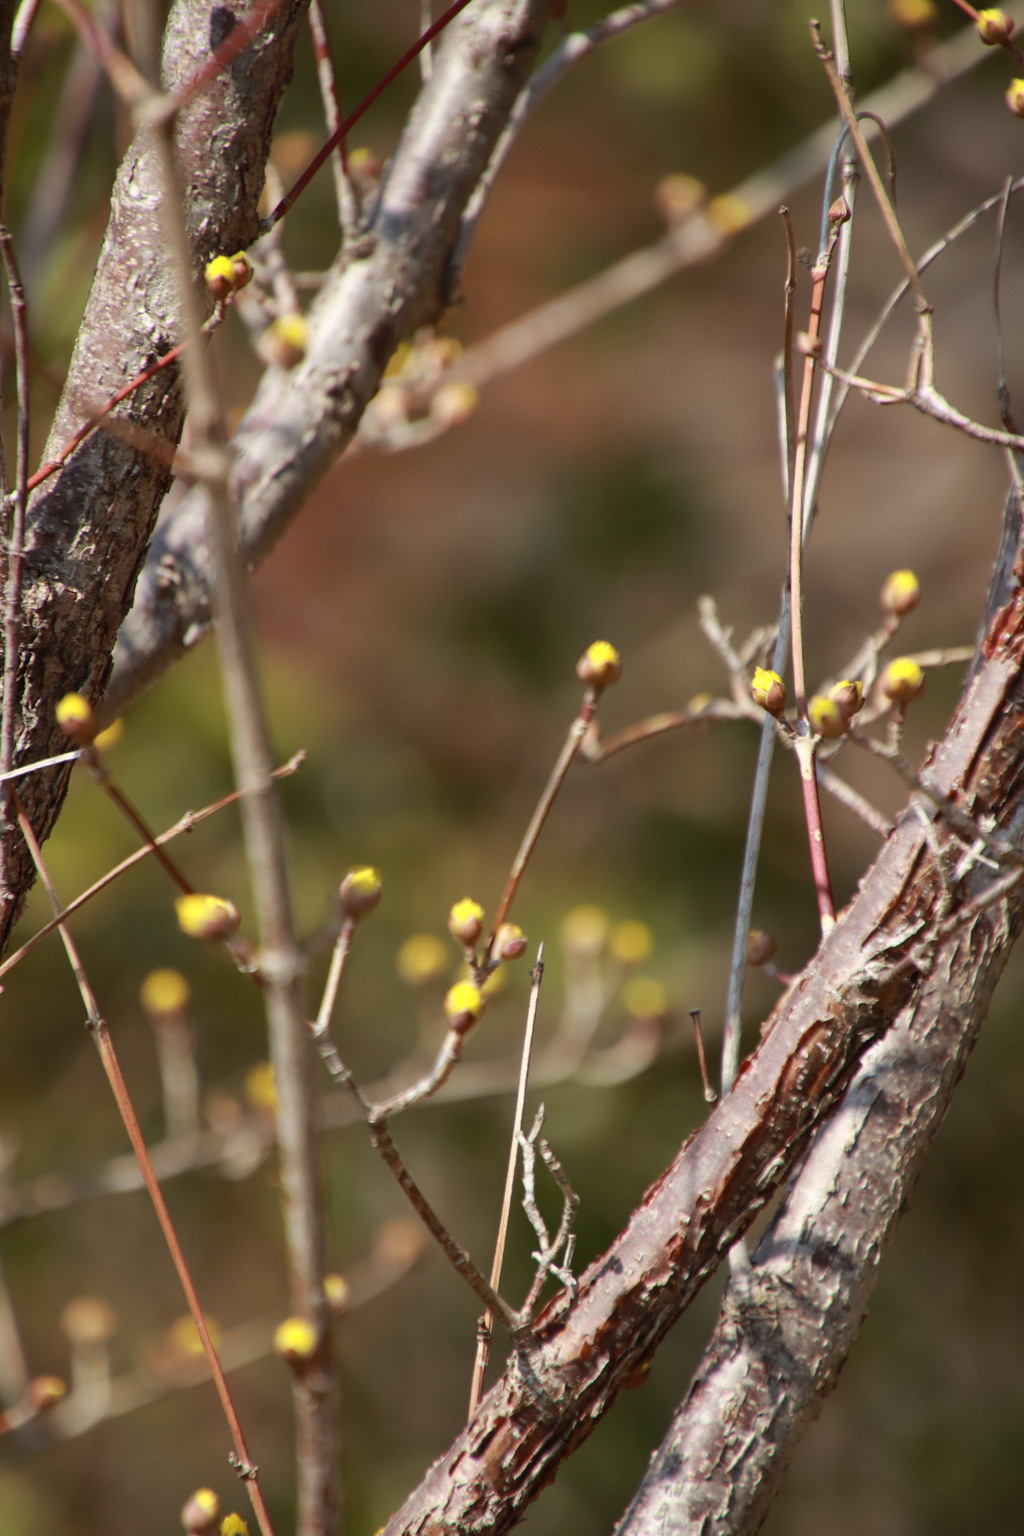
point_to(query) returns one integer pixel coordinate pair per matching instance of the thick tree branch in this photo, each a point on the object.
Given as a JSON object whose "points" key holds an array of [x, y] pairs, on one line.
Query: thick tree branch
{"points": [[300, 422], [879, 961], [89, 528]]}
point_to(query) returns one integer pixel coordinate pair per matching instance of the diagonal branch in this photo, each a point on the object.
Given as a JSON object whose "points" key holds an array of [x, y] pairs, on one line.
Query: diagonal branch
{"points": [[878, 960]]}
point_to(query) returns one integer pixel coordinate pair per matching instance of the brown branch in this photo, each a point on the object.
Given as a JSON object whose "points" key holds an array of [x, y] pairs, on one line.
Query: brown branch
{"points": [[88, 529], [872, 965]]}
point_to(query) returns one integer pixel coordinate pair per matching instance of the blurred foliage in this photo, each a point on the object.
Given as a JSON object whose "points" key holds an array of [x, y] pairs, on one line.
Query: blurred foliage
{"points": [[422, 623]]}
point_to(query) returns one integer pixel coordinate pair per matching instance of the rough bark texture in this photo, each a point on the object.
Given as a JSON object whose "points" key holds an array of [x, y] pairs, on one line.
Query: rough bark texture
{"points": [[89, 527], [880, 962], [300, 422]]}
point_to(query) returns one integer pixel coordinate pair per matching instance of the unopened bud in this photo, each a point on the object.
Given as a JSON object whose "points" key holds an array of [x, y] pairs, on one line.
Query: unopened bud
{"points": [[241, 270], [1015, 97], [826, 718], [295, 1340], [901, 592], [509, 942], [210, 918], [599, 666], [360, 892], [76, 718], [768, 690], [285, 340], [463, 1005], [995, 27], [902, 680], [848, 696], [201, 1513], [761, 947], [219, 276], [466, 922]]}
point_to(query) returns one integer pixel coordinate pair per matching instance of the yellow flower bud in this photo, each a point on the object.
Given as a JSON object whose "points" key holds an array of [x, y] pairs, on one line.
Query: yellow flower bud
{"points": [[644, 998], [201, 1513], [901, 593], [913, 14], [826, 718], [677, 196], [285, 340], [768, 690], [585, 930], [207, 917], [76, 719], [631, 942], [295, 1339], [463, 1005], [183, 1336], [509, 942], [360, 891], [164, 991], [44, 1393], [337, 1292], [902, 680], [728, 213], [260, 1088], [466, 922], [995, 27], [599, 666], [423, 958], [848, 696], [241, 270], [760, 947], [1015, 97], [219, 275], [233, 1525], [110, 737]]}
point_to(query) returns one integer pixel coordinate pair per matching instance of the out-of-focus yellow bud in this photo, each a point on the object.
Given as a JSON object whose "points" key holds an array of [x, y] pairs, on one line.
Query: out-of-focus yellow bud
{"points": [[295, 1339], [285, 340], [900, 594], [44, 1393], [728, 213], [337, 1292], [260, 1088], [164, 991], [1015, 97], [826, 718], [768, 690], [600, 665], [399, 1243], [233, 1525], [913, 14], [631, 942], [677, 196], [207, 917], [902, 680], [423, 958], [241, 270], [463, 1005], [760, 947], [644, 998], [110, 737], [466, 922], [360, 892], [201, 1513], [585, 930], [454, 403], [76, 718], [183, 1336]]}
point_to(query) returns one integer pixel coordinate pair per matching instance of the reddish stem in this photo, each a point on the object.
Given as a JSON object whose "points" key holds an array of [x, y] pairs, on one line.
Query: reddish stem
{"points": [[353, 117]]}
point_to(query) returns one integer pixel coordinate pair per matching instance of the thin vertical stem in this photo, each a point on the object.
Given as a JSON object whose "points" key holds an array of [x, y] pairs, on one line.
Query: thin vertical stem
{"points": [[14, 551], [112, 1067], [486, 1328]]}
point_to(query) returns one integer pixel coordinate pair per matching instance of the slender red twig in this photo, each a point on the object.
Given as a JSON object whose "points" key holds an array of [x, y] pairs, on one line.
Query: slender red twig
{"points": [[353, 117], [112, 1067]]}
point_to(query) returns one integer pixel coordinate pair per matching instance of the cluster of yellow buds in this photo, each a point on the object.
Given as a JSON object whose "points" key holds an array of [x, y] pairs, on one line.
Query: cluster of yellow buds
{"points": [[830, 715]]}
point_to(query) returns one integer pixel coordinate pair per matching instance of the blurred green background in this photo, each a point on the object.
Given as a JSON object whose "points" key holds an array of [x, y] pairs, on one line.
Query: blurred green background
{"points": [[421, 624]]}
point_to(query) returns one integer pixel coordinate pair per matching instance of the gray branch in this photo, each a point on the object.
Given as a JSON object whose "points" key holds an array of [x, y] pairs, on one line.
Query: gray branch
{"points": [[300, 422]]}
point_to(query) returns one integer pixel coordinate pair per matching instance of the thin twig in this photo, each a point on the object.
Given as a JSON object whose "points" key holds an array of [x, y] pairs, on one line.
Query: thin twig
{"points": [[13, 559], [486, 1324], [111, 1066]]}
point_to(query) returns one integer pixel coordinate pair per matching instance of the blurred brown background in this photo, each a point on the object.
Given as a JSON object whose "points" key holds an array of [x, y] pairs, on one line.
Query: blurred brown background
{"points": [[421, 625]]}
